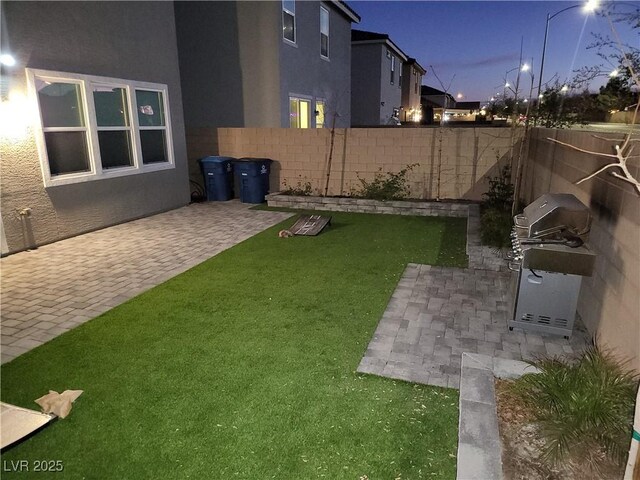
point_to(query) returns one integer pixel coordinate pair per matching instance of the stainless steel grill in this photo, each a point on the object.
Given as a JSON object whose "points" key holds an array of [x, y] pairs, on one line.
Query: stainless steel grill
{"points": [[549, 257]]}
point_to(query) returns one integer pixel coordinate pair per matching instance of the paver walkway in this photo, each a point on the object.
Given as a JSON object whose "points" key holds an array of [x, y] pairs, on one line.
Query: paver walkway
{"points": [[437, 313], [50, 290]]}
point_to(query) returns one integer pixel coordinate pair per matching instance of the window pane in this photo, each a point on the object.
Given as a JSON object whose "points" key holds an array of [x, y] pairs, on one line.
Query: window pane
{"points": [[150, 108], [60, 104], [154, 146], [111, 106], [324, 21], [324, 45], [294, 113], [288, 27], [319, 114], [305, 107], [115, 149], [393, 69], [67, 152]]}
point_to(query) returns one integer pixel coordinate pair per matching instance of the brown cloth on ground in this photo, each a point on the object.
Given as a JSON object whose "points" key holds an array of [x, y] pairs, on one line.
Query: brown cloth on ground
{"points": [[58, 403]]}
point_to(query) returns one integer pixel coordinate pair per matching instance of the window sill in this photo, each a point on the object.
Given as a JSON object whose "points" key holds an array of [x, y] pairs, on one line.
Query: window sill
{"points": [[72, 179]]}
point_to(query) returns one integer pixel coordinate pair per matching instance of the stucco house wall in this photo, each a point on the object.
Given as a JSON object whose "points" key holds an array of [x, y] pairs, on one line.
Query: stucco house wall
{"points": [[410, 95], [390, 93], [304, 72], [238, 71], [365, 84], [229, 62], [131, 41], [374, 96]]}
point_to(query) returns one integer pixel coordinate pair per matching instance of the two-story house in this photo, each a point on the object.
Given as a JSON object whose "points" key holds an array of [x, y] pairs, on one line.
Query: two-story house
{"points": [[376, 79], [94, 105], [92, 132], [265, 63], [412, 75]]}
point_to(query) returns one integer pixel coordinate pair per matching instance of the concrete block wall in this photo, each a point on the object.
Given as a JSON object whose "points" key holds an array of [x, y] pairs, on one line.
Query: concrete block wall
{"points": [[609, 301], [469, 155]]}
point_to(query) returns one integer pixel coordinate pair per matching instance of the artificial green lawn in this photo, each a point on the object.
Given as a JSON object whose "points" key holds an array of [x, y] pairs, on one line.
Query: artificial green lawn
{"points": [[244, 367]]}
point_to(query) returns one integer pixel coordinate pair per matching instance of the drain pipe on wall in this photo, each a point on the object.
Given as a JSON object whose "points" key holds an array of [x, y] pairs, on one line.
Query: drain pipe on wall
{"points": [[27, 233], [633, 465]]}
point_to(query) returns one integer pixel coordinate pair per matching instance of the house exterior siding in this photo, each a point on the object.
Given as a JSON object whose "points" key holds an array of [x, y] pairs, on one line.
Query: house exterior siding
{"points": [[237, 70], [365, 84], [304, 72], [410, 96], [390, 93], [229, 63], [374, 96], [93, 38]]}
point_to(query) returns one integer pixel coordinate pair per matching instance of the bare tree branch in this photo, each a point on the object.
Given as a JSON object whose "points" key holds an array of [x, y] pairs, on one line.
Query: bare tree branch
{"points": [[573, 147]]}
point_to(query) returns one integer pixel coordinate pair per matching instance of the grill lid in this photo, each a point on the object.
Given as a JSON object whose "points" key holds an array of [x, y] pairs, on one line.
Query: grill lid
{"points": [[554, 215]]}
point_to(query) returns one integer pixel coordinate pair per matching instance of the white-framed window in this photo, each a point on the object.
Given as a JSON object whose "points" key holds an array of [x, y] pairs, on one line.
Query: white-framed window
{"points": [[393, 69], [299, 112], [98, 127], [289, 20], [320, 113], [324, 32], [416, 81]]}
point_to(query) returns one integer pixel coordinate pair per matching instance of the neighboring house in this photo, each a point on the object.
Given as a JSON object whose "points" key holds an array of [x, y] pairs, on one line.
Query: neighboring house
{"points": [[265, 63], [434, 102], [412, 74], [92, 127], [464, 112], [376, 79]]}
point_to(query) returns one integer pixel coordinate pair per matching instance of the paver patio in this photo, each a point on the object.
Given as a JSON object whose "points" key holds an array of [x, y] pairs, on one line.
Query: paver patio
{"points": [[437, 313], [50, 290]]}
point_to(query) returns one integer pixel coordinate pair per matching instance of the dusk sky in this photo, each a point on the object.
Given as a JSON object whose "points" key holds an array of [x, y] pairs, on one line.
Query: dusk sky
{"points": [[479, 41]]}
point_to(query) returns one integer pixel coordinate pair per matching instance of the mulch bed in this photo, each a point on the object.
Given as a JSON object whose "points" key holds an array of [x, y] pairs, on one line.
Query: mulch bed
{"points": [[522, 446]]}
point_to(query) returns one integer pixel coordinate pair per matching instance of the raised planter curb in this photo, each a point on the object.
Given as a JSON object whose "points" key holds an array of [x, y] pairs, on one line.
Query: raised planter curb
{"points": [[479, 446], [365, 205]]}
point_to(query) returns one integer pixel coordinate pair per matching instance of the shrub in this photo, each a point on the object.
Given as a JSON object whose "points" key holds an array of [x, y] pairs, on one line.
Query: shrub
{"points": [[389, 186], [496, 222], [584, 407], [500, 193], [301, 189], [495, 226]]}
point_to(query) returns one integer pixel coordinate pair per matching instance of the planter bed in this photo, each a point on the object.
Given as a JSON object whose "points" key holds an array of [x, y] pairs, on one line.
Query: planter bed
{"points": [[364, 205]]}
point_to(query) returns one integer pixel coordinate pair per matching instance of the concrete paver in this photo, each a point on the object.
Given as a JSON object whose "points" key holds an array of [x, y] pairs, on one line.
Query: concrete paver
{"points": [[437, 313], [52, 289]]}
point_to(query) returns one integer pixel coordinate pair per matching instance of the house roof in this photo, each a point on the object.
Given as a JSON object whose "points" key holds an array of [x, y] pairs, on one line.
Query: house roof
{"points": [[468, 105], [434, 97], [414, 62], [362, 37], [349, 12], [427, 90]]}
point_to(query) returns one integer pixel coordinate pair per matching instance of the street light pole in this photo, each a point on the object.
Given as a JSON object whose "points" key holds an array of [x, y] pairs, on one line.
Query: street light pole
{"points": [[544, 49], [591, 5]]}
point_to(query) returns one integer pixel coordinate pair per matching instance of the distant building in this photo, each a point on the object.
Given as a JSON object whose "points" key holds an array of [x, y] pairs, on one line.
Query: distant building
{"points": [[376, 79], [437, 104], [412, 74]]}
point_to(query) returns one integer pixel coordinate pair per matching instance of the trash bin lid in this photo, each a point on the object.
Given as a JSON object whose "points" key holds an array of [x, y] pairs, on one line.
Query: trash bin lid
{"points": [[216, 159], [253, 160]]}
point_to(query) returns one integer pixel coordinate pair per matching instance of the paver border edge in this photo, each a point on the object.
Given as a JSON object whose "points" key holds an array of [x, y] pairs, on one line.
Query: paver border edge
{"points": [[479, 446]]}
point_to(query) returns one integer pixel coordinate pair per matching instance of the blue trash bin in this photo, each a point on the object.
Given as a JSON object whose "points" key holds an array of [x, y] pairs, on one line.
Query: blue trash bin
{"points": [[253, 178], [218, 178]]}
